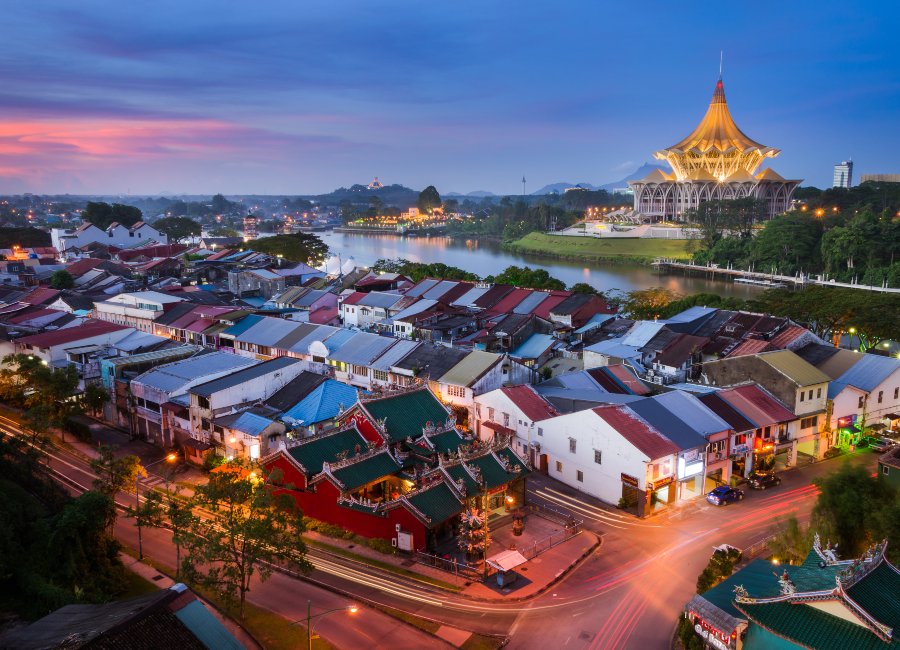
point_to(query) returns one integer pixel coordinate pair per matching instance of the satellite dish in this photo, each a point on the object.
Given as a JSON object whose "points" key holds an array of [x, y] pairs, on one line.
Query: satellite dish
{"points": [[318, 349]]}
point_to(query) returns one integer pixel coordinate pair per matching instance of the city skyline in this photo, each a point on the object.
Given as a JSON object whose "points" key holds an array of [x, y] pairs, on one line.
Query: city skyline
{"points": [[109, 99]]}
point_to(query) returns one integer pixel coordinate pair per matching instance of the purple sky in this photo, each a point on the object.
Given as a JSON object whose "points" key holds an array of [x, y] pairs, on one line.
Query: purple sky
{"points": [[302, 97]]}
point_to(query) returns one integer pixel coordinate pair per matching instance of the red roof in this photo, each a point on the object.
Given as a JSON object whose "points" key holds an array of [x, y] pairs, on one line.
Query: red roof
{"points": [[32, 314], [787, 336], [499, 428], [548, 303], [750, 346], [41, 296], [91, 327], [532, 405], [80, 267], [323, 315], [225, 252], [510, 301], [159, 250], [636, 430], [613, 377], [354, 298], [681, 349], [757, 404]]}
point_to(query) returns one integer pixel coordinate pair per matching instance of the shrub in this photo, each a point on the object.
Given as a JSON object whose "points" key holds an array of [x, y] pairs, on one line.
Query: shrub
{"points": [[212, 461], [687, 636], [380, 545], [78, 429], [720, 566], [329, 530]]}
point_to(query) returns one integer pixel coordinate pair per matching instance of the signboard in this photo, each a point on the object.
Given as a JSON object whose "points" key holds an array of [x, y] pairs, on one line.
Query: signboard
{"points": [[661, 483], [693, 454], [689, 468], [710, 633], [628, 479]]}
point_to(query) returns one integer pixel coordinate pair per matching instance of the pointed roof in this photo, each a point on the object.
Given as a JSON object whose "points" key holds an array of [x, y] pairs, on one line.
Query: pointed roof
{"points": [[656, 176], [717, 129], [769, 174]]}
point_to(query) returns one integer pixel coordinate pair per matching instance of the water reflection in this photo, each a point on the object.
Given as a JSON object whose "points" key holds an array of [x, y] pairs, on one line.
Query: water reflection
{"points": [[487, 258]]}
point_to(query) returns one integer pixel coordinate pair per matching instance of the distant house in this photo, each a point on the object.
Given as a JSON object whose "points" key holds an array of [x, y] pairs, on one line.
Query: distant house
{"points": [[115, 235], [139, 309]]}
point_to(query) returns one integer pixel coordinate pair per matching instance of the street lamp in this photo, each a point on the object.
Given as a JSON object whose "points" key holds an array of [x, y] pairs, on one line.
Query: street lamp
{"points": [[137, 498], [350, 609]]}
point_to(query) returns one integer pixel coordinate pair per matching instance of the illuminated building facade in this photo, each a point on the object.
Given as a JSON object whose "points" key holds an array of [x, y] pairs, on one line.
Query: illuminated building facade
{"points": [[717, 161], [251, 227], [843, 174]]}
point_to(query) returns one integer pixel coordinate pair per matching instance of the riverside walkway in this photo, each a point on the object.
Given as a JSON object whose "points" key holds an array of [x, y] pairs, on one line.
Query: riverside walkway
{"points": [[771, 280]]}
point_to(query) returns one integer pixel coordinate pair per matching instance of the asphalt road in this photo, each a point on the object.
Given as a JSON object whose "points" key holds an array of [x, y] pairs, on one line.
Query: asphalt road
{"points": [[627, 595]]}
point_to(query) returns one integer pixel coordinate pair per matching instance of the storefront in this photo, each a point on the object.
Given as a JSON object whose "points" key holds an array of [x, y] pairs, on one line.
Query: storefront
{"points": [[662, 492], [741, 461], [763, 455], [847, 431], [690, 474]]}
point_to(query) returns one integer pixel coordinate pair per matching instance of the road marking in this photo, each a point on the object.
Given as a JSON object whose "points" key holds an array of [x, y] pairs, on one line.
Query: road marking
{"points": [[582, 511]]}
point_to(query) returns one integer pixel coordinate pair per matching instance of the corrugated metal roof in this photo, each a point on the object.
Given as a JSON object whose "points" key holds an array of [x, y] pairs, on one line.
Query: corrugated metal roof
{"points": [[641, 332], [173, 376], [250, 423], [470, 369], [267, 331], [469, 297], [692, 411], [309, 334], [614, 348], [756, 404], [338, 339], [393, 355], [416, 308], [242, 325], [531, 302], [362, 349], [664, 421], [637, 431], [534, 346], [532, 405], [594, 322], [867, 374], [419, 289], [206, 627], [795, 368], [438, 290], [381, 299], [244, 375], [691, 314], [323, 403]]}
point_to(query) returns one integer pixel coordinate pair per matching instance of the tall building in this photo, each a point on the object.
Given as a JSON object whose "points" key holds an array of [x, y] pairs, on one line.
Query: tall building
{"points": [[843, 174], [251, 225], [717, 161]]}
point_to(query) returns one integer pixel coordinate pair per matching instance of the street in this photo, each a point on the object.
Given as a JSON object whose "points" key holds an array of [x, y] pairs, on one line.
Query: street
{"points": [[628, 594]]}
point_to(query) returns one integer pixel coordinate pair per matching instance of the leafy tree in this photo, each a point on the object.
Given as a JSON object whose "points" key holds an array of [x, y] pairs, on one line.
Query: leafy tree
{"points": [[428, 200], [47, 393], [720, 566], [300, 247], [583, 287], [223, 231], [62, 279], [103, 214], [221, 205], [526, 277], [178, 228], [24, 237], [94, 397], [255, 527], [114, 474], [791, 542], [847, 510], [647, 303], [416, 271], [790, 242]]}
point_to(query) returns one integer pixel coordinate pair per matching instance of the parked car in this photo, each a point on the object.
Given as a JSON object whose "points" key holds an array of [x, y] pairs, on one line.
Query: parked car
{"points": [[723, 495], [881, 444], [763, 480]]}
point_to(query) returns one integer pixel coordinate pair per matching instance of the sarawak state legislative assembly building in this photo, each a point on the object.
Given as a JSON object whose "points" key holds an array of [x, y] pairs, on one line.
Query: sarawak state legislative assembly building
{"points": [[715, 162]]}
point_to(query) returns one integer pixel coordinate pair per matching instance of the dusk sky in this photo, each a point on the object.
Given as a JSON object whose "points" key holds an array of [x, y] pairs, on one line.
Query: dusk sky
{"points": [[302, 97]]}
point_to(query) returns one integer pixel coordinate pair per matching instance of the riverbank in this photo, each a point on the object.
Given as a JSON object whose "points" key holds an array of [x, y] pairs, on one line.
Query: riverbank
{"points": [[594, 249]]}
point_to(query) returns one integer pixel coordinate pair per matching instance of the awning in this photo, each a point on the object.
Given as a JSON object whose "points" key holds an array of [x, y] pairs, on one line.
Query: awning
{"points": [[852, 429], [199, 445], [499, 428], [507, 560], [891, 416], [877, 427]]}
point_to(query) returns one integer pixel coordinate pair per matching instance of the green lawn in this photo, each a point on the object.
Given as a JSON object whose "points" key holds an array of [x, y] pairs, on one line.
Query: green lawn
{"points": [[597, 249]]}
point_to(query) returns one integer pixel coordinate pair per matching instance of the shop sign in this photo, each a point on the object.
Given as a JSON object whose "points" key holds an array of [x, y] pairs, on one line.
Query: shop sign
{"points": [[661, 483], [739, 449], [628, 479], [711, 634], [693, 454]]}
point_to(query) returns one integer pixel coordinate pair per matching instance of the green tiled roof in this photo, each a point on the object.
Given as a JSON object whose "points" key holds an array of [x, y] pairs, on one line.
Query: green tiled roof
{"points": [[365, 471], [325, 449], [447, 441], [457, 472], [879, 594], [809, 576], [756, 578], [812, 628], [408, 413], [492, 471], [438, 503]]}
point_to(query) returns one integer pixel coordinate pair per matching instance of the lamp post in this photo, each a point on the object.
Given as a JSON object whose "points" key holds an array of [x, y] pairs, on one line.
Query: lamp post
{"points": [[137, 499], [350, 609]]}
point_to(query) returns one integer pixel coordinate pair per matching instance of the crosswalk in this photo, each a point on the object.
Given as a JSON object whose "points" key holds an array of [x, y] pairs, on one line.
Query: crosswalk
{"points": [[584, 510]]}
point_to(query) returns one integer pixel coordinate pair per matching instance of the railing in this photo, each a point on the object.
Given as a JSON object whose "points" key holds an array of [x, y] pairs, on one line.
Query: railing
{"points": [[552, 514], [758, 548], [452, 565], [553, 539]]}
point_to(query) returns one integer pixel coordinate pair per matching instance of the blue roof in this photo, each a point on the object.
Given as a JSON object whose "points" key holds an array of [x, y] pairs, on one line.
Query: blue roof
{"points": [[614, 348], [336, 340], [533, 347], [662, 419], [530, 303], [693, 412], [641, 333], [697, 389], [866, 374], [691, 314], [595, 321], [250, 423], [203, 625], [254, 301], [324, 403], [243, 325]]}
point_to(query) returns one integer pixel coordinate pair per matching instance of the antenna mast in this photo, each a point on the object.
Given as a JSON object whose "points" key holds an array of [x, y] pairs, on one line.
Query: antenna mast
{"points": [[523, 186], [721, 62]]}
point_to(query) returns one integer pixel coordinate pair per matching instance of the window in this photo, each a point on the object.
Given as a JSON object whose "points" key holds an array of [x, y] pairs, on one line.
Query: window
{"points": [[360, 370], [572, 444], [579, 476], [203, 402], [740, 439], [897, 393], [506, 419], [810, 422], [885, 470], [862, 401], [801, 395], [478, 410], [768, 432], [810, 393], [456, 391], [540, 431], [380, 375], [818, 393], [880, 396], [598, 456], [716, 447], [490, 413], [559, 467]]}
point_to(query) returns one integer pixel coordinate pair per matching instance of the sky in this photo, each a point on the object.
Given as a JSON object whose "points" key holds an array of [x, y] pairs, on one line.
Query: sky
{"points": [[288, 97]]}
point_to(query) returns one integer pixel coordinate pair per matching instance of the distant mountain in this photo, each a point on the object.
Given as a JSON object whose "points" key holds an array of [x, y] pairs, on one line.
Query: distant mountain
{"points": [[559, 188], [639, 173], [477, 194], [398, 195]]}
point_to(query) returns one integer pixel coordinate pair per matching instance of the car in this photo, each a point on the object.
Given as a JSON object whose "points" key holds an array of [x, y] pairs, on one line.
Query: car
{"points": [[881, 444], [763, 480], [723, 495]]}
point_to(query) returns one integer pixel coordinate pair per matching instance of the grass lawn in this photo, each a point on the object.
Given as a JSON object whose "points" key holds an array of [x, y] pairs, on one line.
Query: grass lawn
{"points": [[136, 586], [596, 249]]}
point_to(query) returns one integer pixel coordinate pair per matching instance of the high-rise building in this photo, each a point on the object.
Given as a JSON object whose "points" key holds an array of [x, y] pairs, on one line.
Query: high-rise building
{"points": [[716, 162], [251, 225], [843, 174]]}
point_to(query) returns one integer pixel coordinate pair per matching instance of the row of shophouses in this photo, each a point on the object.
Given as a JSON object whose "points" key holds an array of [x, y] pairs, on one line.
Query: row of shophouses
{"points": [[326, 405]]}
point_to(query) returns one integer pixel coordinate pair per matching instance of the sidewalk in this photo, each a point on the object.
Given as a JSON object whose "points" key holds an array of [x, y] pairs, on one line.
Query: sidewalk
{"points": [[164, 582]]}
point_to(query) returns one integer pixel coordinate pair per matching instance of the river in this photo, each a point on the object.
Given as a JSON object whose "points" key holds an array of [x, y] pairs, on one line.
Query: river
{"points": [[487, 258]]}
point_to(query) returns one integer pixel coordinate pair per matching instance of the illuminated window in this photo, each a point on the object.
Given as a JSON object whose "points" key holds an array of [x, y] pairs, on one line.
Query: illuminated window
{"points": [[559, 466]]}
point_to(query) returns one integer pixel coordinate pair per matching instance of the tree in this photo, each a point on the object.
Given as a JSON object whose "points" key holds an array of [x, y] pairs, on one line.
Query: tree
{"points": [[62, 279], [529, 278], [114, 474], [583, 287], [429, 199], [178, 228], [647, 303], [223, 231], [791, 242], [254, 527], [847, 510], [300, 247], [417, 271], [474, 534], [720, 566], [94, 397], [791, 542], [24, 237], [103, 214], [221, 205]]}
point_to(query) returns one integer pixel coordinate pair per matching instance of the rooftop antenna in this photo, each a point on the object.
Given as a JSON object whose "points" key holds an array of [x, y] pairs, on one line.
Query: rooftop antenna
{"points": [[523, 186]]}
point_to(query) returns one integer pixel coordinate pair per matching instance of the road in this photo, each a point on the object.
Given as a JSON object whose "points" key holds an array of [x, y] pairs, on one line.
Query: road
{"points": [[627, 595]]}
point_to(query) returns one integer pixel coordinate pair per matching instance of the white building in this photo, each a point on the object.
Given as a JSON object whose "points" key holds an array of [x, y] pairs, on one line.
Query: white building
{"points": [[138, 309], [867, 393], [515, 410], [116, 235], [479, 372], [843, 174]]}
